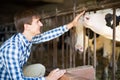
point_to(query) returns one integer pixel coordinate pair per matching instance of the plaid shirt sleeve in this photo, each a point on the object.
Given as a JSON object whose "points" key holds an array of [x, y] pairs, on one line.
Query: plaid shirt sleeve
{"points": [[11, 57], [49, 35]]}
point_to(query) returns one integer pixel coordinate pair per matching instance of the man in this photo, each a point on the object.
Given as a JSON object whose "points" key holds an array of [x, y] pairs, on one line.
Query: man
{"points": [[15, 52]]}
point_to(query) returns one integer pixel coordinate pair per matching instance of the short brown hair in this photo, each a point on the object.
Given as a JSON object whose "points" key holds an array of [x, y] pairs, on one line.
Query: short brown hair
{"points": [[24, 17]]}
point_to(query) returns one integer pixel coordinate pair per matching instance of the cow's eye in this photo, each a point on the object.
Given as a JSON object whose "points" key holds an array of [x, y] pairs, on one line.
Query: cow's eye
{"points": [[87, 18]]}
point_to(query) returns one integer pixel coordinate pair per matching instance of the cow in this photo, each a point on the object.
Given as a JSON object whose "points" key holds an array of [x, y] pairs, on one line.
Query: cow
{"points": [[99, 24], [100, 19]]}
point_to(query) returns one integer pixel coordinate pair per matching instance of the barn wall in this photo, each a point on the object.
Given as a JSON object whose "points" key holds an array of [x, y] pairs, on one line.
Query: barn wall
{"points": [[54, 53]]}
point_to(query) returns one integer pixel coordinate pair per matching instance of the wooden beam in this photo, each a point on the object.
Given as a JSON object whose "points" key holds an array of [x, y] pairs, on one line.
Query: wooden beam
{"points": [[56, 1], [51, 1]]}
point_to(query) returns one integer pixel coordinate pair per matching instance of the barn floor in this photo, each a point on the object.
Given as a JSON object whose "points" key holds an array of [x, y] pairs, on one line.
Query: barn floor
{"points": [[99, 72], [118, 71]]}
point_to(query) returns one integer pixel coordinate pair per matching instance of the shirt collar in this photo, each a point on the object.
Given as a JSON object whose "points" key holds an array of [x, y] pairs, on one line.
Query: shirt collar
{"points": [[23, 38]]}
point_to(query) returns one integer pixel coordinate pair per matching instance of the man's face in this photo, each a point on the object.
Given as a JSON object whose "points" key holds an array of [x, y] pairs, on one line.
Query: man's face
{"points": [[36, 26]]}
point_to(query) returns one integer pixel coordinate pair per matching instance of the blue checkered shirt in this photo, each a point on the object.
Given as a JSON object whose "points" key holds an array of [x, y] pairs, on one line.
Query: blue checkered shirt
{"points": [[15, 52]]}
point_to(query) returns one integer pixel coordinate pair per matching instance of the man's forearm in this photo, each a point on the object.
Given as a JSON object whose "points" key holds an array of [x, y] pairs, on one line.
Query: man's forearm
{"points": [[69, 25]]}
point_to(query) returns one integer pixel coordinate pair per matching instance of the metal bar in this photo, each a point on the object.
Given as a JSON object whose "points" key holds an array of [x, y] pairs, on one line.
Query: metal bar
{"points": [[84, 53], [74, 9], [49, 55], [67, 55], [71, 52], [55, 47], [67, 49], [70, 58], [63, 65], [94, 52], [88, 57], [63, 46], [114, 44]]}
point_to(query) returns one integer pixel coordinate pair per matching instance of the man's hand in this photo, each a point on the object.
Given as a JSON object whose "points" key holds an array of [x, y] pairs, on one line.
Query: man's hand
{"points": [[75, 20], [55, 74]]}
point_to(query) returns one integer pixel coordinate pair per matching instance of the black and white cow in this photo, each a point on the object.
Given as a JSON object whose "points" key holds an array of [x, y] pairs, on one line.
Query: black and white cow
{"points": [[100, 22]]}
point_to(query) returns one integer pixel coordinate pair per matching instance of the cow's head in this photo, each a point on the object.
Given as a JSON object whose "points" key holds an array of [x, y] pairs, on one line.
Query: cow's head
{"points": [[98, 19]]}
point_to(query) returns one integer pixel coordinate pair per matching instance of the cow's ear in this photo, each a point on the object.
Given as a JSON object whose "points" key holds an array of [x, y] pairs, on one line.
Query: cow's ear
{"points": [[109, 17]]}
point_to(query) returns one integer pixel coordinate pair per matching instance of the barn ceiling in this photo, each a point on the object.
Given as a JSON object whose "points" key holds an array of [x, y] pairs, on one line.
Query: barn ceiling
{"points": [[9, 7]]}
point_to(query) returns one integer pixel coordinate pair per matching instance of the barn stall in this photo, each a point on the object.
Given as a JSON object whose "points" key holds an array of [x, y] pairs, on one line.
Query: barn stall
{"points": [[60, 52]]}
